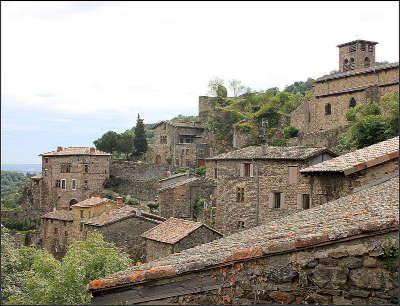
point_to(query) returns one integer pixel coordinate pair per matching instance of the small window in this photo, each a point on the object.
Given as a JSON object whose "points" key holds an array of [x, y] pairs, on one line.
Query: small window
{"points": [[55, 231], [46, 160], [105, 171], [240, 194], [65, 168], [247, 169], [363, 47], [352, 103], [293, 174], [215, 172], [46, 172], [346, 65], [277, 199], [328, 109], [305, 201], [240, 224], [86, 168], [367, 62], [163, 139], [63, 184], [58, 183], [371, 48], [73, 184], [352, 63]]}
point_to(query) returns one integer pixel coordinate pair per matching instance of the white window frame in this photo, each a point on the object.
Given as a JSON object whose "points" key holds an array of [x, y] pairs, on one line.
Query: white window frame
{"points": [[73, 184], [65, 184]]}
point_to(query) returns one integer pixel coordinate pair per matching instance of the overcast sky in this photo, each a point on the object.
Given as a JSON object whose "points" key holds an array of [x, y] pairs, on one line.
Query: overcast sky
{"points": [[71, 71]]}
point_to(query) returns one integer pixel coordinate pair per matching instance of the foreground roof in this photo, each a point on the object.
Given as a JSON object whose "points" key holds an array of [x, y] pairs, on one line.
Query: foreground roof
{"points": [[172, 231], [60, 214], [119, 214], [370, 210], [76, 151], [359, 159], [270, 152], [93, 201], [356, 72]]}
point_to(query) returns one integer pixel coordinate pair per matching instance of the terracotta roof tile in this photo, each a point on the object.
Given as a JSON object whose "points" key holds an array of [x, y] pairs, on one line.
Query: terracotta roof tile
{"points": [[270, 152], [76, 151], [367, 211], [359, 159], [63, 215], [172, 230], [93, 201]]}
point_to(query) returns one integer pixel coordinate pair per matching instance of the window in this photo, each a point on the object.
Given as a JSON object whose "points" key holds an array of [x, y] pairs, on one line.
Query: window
{"points": [[293, 174], [46, 160], [58, 183], [370, 48], [362, 48], [239, 194], [367, 62], [55, 231], [186, 138], [305, 200], [240, 224], [63, 184], [346, 65], [73, 184], [86, 168], [277, 200], [352, 48], [328, 109], [163, 139], [65, 168], [352, 63], [215, 172], [246, 169], [353, 102], [46, 172]]}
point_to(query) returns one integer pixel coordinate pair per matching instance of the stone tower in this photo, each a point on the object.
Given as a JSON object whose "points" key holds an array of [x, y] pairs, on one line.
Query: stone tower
{"points": [[357, 54]]}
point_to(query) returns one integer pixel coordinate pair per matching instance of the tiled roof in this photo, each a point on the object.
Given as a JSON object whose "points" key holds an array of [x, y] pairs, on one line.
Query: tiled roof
{"points": [[357, 41], [270, 152], [356, 72], [63, 215], [121, 213], [189, 180], [359, 159], [76, 151], [183, 124], [93, 201], [172, 231], [368, 211]]}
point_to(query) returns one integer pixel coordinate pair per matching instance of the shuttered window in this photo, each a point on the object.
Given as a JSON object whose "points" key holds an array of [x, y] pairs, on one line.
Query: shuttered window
{"points": [[276, 200]]}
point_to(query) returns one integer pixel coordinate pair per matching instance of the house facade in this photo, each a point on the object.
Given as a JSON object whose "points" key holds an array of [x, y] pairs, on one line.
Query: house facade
{"points": [[70, 175], [259, 184], [179, 144]]}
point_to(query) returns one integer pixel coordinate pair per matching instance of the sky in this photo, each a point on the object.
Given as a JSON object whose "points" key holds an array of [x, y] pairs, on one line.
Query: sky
{"points": [[70, 71]]}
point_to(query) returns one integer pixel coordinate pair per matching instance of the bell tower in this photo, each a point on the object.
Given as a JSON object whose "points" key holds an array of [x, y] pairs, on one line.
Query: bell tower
{"points": [[357, 54]]}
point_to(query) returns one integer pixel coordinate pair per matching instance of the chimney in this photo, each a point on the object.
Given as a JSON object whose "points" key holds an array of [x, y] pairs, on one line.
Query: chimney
{"points": [[59, 149], [120, 201], [92, 150]]}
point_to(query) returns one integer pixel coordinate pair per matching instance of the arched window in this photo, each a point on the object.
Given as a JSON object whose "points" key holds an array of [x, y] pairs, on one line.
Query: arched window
{"points": [[353, 102], [328, 109], [72, 202], [367, 62], [352, 63], [346, 65]]}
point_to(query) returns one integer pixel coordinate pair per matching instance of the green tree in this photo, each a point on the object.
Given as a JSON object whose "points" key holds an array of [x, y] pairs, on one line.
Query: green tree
{"points": [[44, 280], [125, 143], [139, 141], [108, 142]]}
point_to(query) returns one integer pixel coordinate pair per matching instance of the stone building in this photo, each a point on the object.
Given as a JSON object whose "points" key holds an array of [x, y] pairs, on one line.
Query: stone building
{"points": [[359, 79], [338, 253], [70, 175], [180, 196], [258, 184], [175, 235], [119, 223], [344, 174], [179, 144]]}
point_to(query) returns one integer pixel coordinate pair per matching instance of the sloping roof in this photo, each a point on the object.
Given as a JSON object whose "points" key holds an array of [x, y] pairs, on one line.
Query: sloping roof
{"points": [[93, 201], [359, 159], [119, 214], [371, 211], [202, 179], [356, 72], [183, 124], [270, 152], [172, 231], [357, 41], [76, 151], [61, 214]]}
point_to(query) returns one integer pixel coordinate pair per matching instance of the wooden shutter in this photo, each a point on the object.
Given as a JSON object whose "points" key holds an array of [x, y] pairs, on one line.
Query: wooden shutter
{"points": [[271, 200], [299, 201], [283, 204], [242, 170], [251, 170]]}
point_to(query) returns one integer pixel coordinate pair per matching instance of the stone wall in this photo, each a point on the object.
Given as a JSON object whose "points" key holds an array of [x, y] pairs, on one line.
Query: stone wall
{"points": [[328, 138], [140, 180], [56, 235], [157, 249], [331, 186]]}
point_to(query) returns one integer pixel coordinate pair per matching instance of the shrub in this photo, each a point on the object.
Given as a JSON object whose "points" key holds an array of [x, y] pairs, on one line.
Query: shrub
{"points": [[290, 132]]}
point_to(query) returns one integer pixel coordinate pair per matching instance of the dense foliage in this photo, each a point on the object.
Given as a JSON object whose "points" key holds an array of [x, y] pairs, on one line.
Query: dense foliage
{"points": [[139, 140], [36, 277], [11, 188], [370, 123]]}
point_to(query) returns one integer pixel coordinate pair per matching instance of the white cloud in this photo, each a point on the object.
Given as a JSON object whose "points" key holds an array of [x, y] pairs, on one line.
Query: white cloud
{"points": [[82, 57]]}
